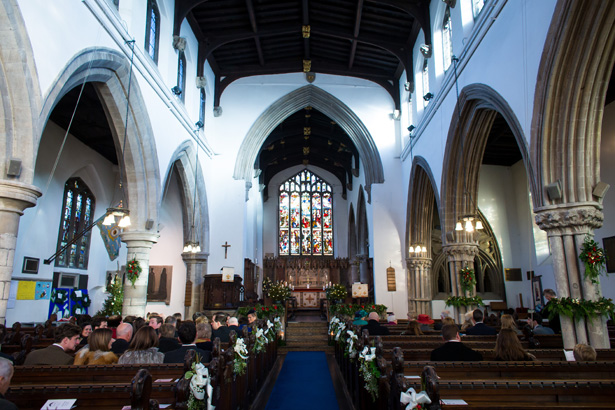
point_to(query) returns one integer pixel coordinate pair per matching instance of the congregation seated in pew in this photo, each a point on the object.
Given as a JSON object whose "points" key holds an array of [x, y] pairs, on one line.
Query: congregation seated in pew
{"points": [[453, 350], [143, 348], [168, 341], [374, 327], [187, 336], [67, 337], [123, 335], [508, 347], [479, 327], [98, 350]]}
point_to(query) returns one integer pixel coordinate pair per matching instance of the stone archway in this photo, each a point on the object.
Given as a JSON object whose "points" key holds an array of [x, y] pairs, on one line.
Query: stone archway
{"points": [[566, 133], [328, 105], [183, 162]]}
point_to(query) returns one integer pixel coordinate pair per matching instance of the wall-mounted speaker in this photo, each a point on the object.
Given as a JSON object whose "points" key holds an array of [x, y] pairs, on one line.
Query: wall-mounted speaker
{"points": [[14, 168], [554, 190], [600, 189]]}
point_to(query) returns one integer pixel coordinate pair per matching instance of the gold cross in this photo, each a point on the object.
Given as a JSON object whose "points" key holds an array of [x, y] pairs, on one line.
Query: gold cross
{"points": [[226, 246]]}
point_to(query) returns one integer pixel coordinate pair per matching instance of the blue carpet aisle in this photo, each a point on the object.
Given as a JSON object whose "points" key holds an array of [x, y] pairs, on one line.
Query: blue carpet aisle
{"points": [[303, 383]]}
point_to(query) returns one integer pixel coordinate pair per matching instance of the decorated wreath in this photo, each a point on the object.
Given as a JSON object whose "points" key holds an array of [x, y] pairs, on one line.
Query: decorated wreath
{"points": [[594, 258], [133, 270], [467, 279]]}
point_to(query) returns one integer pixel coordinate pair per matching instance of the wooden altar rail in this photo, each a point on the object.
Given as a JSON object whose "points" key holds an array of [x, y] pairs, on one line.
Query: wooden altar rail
{"points": [[109, 386], [485, 385]]}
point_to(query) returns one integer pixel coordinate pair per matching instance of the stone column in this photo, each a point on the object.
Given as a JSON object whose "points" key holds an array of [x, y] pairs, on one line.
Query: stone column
{"points": [[566, 229], [196, 269], [139, 245], [363, 268], [15, 197], [419, 285], [460, 255], [354, 271]]}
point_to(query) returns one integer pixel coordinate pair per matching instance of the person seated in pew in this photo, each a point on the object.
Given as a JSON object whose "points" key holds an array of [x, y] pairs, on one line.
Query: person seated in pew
{"points": [[167, 341], [391, 319], [448, 321], [233, 324], [467, 323], [187, 336], [220, 328], [86, 331], [359, 318], [413, 329], [508, 347], [537, 327], [479, 327], [143, 348], [373, 326], [203, 336], [99, 322], [425, 321], [554, 322], [443, 315], [98, 350], [584, 353], [123, 336], [66, 337], [507, 322], [6, 373], [453, 350]]}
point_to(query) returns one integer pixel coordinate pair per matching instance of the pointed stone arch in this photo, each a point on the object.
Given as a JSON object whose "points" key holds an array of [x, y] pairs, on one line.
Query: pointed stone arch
{"points": [[325, 103], [352, 234], [569, 100], [478, 106], [109, 72], [362, 226]]}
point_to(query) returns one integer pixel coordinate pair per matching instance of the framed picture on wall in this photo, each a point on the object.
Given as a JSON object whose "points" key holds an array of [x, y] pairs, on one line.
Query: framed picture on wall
{"points": [[609, 250], [159, 283], [537, 291]]}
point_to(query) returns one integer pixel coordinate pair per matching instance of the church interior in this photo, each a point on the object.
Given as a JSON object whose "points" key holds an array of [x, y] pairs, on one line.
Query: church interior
{"points": [[386, 143]]}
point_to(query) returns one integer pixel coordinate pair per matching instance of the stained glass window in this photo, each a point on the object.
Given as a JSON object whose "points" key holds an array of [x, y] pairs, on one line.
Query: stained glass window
{"points": [[447, 39], [77, 212], [305, 216], [152, 31]]}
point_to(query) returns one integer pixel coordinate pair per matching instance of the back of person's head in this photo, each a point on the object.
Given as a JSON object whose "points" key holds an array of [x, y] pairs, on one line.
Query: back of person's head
{"points": [[477, 315], [449, 332], [129, 319], [201, 319], [124, 330], [203, 330], [144, 339], [220, 318], [414, 328], [374, 316], [114, 320], [99, 321], [6, 373], [187, 333], [172, 320], [448, 321], [167, 330], [138, 323], [66, 330], [157, 318], [507, 322], [100, 339], [232, 321], [197, 315], [177, 316], [84, 319], [584, 353], [549, 292], [508, 346], [537, 318]]}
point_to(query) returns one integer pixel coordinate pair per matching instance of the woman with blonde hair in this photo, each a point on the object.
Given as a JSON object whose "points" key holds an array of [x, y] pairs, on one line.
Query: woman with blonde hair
{"points": [[468, 322], [508, 322], [98, 350], [143, 348], [508, 347], [413, 329]]}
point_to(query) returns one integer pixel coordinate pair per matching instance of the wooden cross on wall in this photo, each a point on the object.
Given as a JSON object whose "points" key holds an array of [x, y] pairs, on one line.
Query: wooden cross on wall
{"points": [[226, 246]]}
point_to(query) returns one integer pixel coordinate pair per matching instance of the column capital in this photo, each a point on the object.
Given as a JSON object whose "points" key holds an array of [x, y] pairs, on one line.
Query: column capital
{"points": [[16, 196], [418, 262], [139, 239], [189, 257], [574, 219], [461, 251]]}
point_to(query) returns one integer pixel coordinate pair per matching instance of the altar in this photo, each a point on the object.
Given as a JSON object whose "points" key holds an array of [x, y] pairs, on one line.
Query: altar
{"points": [[308, 298]]}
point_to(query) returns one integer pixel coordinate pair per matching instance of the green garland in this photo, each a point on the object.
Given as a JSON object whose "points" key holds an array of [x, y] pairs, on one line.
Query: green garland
{"points": [[349, 309], [458, 301], [580, 308], [133, 270], [263, 311], [467, 279], [594, 258]]}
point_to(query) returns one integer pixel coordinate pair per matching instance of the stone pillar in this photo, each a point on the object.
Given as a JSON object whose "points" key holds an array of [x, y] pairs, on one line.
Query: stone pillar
{"points": [[419, 285], [363, 269], [139, 244], [196, 269], [14, 198], [566, 229], [354, 271], [460, 255]]}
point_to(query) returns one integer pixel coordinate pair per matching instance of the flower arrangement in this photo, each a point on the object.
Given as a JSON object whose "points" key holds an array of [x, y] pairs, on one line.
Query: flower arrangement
{"points": [[133, 270], [279, 291], [414, 400], [260, 344], [199, 385], [594, 258], [266, 285], [458, 301], [369, 371], [337, 292], [351, 349], [580, 308], [240, 364], [263, 311], [349, 309], [467, 279]]}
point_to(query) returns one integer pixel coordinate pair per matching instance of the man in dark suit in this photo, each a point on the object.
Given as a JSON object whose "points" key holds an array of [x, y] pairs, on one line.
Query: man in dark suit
{"points": [[233, 324], [187, 336], [453, 350], [479, 327], [220, 330], [167, 341], [373, 326], [67, 337], [554, 322], [123, 335]]}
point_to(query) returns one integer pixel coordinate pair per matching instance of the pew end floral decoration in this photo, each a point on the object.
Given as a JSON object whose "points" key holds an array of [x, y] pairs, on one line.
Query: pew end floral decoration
{"points": [[200, 387], [414, 400], [240, 364], [467, 279], [133, 270], [594, 258], [369, 371]]}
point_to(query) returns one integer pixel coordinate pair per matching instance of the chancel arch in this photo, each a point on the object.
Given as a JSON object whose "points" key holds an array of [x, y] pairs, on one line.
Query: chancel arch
{"points": [[566, 134]]}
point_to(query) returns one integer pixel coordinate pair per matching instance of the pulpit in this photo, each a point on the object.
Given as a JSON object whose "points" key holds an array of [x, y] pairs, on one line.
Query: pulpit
{"points": [[219, 294]]}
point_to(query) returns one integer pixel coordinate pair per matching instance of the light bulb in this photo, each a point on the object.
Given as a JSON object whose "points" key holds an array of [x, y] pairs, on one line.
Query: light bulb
{"points": [[417, 249], [458, 227], [197, 248], [411, 249], [479, 225], [423, 249], [109, 220], [124, 222], [469, 227]]}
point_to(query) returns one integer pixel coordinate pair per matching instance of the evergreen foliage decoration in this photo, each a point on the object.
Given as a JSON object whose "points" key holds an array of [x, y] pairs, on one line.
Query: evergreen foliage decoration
{"points": [[337, 292], [133, 270], [594, 258], [467, 279], [458, 301], [580, 308], [114, 302]]}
